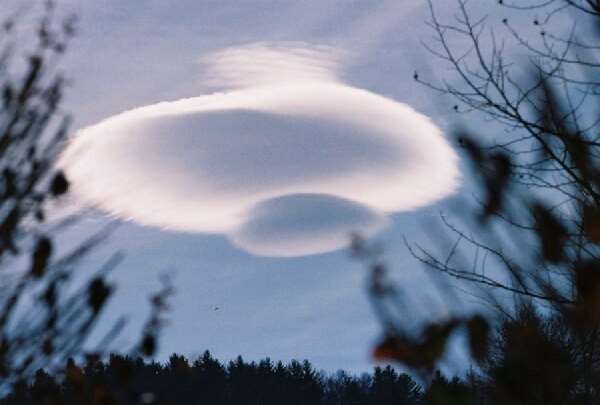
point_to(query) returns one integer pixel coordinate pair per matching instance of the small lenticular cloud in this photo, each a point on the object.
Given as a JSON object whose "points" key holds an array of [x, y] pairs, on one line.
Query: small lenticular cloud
{"points": [[302, 224], [288, 162]]}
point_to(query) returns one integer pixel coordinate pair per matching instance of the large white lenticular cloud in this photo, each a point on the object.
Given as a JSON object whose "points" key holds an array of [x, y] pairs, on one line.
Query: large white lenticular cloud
{"points": [[287, 162]]}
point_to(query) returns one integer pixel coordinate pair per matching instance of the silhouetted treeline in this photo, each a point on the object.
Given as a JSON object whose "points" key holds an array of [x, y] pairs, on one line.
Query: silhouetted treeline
{"points": [[128, 380]]}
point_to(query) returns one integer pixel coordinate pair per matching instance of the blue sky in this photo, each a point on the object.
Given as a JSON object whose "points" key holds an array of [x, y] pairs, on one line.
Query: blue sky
{"points": [[315, 307]]}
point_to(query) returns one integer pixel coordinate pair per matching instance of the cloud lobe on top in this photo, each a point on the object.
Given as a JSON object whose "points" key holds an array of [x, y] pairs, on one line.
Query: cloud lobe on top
{"points": [[266, 64], [287, 137]]}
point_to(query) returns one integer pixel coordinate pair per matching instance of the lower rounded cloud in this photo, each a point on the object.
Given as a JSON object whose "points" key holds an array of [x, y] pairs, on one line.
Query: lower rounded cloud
{"points": [[286, 163], [302, 224]]}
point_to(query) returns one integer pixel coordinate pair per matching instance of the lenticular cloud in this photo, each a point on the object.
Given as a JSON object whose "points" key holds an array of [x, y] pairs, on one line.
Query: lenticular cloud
{"points": [[286, 162]]}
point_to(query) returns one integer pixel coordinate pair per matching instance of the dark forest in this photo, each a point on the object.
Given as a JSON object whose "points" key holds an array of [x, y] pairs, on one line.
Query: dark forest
{"points": [[127, 380]]}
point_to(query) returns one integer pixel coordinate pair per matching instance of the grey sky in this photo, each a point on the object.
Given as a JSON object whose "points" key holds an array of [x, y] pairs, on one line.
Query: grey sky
{"points": [[129, 53]]}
